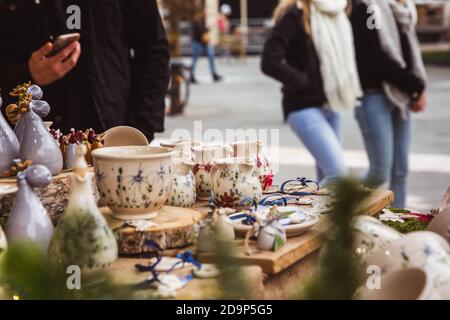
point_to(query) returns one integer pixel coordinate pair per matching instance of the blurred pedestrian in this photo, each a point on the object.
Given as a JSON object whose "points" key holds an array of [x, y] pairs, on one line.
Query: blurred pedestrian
{"points": [[393, 78], [310, 51], [201, 43], [95, 82]]}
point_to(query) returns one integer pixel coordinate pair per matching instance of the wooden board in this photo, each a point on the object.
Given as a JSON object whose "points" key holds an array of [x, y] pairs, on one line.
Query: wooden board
{"points": [[176, 229], [298, 248]]}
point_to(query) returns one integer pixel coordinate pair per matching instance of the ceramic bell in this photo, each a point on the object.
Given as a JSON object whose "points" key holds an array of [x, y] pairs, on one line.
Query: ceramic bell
{"points": [[206, 241], [29, 219], [183, 192], [36, 95], [9, 145], [82, 236], [37, 144], [223, 226]]}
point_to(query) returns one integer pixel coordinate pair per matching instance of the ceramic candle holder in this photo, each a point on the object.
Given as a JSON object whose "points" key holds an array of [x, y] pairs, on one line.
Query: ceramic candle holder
{"points": [[234, 182], [204, 160], [183, 193], [9, 145], [134, 182], [29, 221]]}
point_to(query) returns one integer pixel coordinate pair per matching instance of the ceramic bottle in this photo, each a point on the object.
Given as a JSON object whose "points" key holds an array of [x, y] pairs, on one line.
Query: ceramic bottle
{"points": [[9, 145], [82, 236], [183, 192], [234, 182], [37, 144], [29, 220]]}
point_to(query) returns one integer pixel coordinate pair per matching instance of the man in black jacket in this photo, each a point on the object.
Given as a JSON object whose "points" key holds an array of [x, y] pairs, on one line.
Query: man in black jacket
{"points": [[117, 74]]}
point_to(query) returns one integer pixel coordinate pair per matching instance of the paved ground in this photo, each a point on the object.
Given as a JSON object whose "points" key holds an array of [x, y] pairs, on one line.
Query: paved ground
{"points": [[249, 100]]}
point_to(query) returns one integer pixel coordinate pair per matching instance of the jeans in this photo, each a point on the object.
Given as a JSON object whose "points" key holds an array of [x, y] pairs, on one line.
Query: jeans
{"points": [[319, 131], [387, 138], [198, 49]]}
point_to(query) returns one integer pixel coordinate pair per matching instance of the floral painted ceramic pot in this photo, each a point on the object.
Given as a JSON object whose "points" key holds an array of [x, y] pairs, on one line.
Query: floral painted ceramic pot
{"points": [[423, 250], [204, 159], [255, 150], [82, 236], [29, 220], [235, 182], [134, 181], [9, 145], [183, 186], [372, 235], [409, 284]]}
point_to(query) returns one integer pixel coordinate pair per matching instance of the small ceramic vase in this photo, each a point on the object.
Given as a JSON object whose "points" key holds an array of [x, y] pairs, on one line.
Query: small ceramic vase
{"points": [[268, 234], [409, 284], [9, 145], [37, 144], [206, 240], [3, 242], [82, 236], [70, 156], [183, 192], [372, 235], [204, 159], [255, 150], [424, 250], [29, 220], [234, 182]]}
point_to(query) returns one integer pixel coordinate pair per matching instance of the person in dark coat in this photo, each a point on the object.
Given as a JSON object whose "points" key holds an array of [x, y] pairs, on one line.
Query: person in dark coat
{"points": [[117, 74]]}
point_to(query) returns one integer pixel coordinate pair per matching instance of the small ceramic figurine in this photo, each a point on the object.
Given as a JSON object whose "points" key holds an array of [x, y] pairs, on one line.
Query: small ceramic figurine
{"points": [[37, 144], [82, 236], [183, 186], [235, 182], [29, 219], [9, 145]]}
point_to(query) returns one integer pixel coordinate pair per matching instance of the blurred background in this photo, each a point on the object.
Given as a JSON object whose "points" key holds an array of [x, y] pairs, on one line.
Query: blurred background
{"points": [[248, 99]]}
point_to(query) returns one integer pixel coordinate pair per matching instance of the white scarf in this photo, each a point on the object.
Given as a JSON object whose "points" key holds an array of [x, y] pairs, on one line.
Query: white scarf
{"points": [[333, 39], [390, 14]]}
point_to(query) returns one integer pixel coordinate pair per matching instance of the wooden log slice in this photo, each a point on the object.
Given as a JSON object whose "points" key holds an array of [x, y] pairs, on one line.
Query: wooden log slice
{"points": [[175, 229], [54, 197]]}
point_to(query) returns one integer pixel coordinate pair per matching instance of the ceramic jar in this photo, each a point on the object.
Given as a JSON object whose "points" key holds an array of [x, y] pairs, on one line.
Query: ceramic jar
{"points": [[255, 150], [29, 220], [204, 159], [9, 145], [423, 250], [37, 144], [183, 192], [82, 236], [371, 235], [268, 234], [133, 181], [234, 182]]}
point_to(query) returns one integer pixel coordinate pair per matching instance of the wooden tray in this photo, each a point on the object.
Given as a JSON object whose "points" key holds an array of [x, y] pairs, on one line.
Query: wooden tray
{"points": [[176, 229]]}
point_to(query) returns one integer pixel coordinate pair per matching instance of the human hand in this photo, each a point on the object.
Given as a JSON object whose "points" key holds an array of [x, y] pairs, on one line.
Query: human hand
{"points": [[420, 104], [46, 70]]}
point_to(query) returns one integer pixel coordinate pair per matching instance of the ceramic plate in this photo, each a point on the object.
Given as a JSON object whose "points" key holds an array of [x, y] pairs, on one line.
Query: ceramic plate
{"points": [[292, 230], [124, 136], [7, 188]]}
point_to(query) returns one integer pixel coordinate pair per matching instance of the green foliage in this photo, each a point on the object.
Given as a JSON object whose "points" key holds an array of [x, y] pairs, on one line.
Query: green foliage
{"points": [[337, 277], [27, 272], [408, 225]]}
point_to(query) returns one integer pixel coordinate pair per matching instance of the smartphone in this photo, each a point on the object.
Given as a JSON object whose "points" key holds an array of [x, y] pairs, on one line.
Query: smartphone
{"points": [[63, 41]]}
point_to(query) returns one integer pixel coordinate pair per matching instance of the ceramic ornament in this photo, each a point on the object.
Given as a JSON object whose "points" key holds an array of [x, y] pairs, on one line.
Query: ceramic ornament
{"points": [[29, 220], [206, 241], [271, 236], [223, 227], [37, 144], [9, 145], [183, 193], [82, 236]]}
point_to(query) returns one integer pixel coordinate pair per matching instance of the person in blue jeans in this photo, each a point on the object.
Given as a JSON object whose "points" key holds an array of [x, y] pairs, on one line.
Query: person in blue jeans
{"points": [[316, 64], [200, 46], [393, 79]]}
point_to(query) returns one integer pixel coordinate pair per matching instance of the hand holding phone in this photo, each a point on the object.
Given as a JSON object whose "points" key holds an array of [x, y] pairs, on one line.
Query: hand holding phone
{"points": [[63, 41]]}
